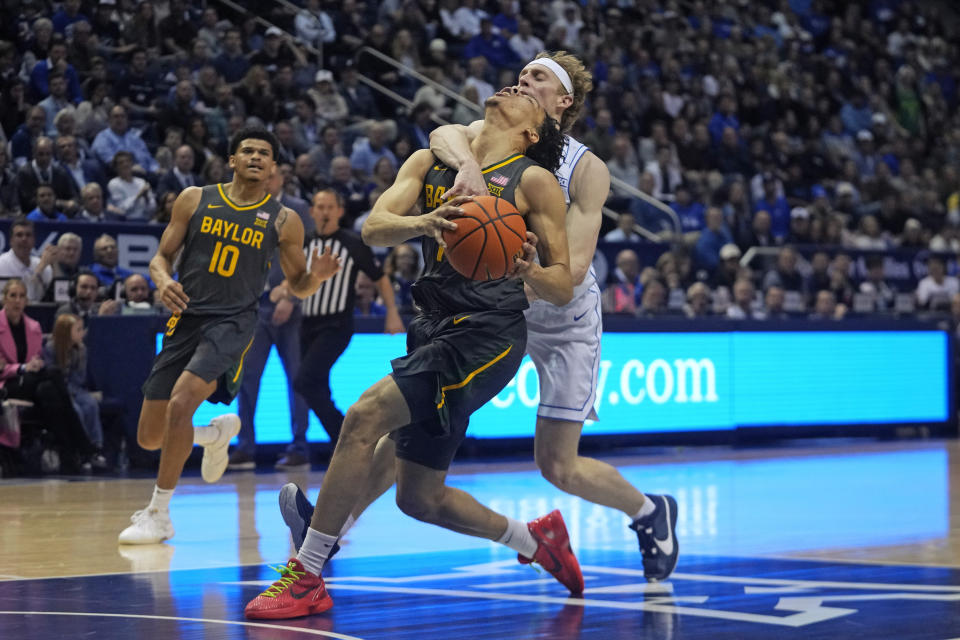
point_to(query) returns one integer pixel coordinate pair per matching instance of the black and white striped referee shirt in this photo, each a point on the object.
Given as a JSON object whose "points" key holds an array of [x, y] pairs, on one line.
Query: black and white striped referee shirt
{"points": [[336, 297]]}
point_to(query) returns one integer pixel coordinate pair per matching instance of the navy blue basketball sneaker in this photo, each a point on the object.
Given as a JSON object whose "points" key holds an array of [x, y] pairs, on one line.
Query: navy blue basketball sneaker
{"points": [[297, 513], [657, 535]]}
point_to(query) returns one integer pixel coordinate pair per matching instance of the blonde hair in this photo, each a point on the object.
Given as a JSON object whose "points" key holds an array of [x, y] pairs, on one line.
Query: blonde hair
{"points": [[581, 79]]}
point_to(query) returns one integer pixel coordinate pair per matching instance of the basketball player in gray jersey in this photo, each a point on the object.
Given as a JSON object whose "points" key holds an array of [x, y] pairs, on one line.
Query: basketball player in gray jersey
{"points": [[568, 383], [226, 235], [462, 348]]}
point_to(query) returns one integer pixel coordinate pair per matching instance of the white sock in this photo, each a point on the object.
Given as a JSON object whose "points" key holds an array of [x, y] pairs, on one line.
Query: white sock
{"points": [[518, 538], [348, 525], [647, 508], [315, 550], [161, 499], [205, 435]]}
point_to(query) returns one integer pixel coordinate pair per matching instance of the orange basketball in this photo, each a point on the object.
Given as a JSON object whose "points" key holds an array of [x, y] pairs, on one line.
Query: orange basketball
{"points": [[490, 234]]}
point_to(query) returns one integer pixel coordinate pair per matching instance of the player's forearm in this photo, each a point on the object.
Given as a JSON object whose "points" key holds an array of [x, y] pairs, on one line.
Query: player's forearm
{"points": [[450, 144], [388, 229], [161, 269], [304, 286], [552, 283]]}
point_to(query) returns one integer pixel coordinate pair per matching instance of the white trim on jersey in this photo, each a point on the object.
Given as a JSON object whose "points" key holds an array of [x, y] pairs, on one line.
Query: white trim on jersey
{"points": [[573, 150]]}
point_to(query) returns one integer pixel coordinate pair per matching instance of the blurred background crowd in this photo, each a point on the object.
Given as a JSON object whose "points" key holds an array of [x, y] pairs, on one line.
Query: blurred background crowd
{"points": [[826, 134]]}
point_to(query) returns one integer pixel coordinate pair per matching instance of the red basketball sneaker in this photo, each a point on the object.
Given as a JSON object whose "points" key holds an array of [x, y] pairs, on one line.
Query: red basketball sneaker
{"points": [[553, 551], [297, 593]]}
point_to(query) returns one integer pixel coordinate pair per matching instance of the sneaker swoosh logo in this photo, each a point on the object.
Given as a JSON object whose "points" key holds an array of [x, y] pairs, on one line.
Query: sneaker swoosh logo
{"points": [[577, 318], [460, 319], [556, 562], [299, 596], [666, 546]]}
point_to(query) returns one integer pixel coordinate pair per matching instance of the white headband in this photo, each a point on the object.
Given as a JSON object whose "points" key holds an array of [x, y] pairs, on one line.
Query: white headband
{"points": [[558, 71]]}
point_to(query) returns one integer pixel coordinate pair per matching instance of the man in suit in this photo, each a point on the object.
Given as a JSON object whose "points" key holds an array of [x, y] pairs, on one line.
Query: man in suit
{"points": [[42, 170], [81, 172], [181, 175]]}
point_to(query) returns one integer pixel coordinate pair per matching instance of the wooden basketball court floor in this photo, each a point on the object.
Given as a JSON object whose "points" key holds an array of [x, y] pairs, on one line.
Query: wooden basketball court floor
{"points": [[838, 540]]}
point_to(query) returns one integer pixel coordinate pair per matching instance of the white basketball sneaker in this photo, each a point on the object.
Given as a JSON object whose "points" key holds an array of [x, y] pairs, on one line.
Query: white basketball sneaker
{"points": [[215, 454], [150, 526]]}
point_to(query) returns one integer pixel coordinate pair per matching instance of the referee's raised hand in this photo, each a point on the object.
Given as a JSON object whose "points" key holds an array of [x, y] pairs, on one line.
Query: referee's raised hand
{"points": [[324, 265]]}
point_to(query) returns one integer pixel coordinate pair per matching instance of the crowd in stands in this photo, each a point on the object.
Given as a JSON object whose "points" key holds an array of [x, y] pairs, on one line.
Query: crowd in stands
{"points": [[824, 125]]}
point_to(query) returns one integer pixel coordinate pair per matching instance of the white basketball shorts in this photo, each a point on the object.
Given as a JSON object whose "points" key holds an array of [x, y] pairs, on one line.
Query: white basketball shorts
{"points": [[564, 344]]}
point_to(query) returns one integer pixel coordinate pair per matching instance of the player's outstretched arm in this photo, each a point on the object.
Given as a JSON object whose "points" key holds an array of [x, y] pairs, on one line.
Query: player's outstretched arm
{"points": [[589, 188], [161, 265], [451, 143], [546, 218], [301, 282], [388, 223]]}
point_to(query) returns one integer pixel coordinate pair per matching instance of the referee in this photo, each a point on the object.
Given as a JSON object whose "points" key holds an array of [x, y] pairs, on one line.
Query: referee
{"points": [[328, 314]]}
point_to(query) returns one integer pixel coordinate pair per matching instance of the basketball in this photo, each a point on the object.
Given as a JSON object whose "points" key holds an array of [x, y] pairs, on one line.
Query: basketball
{"points": [[490, 234]]}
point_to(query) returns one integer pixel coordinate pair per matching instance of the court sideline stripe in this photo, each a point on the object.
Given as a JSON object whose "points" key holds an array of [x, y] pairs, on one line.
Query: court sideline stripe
{"points": [[313, 632]]}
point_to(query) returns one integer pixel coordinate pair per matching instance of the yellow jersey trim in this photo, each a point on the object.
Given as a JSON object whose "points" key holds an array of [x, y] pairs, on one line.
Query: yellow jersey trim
{"points": [[242, 356], [233, 205], [466, 381], [502, 164]]}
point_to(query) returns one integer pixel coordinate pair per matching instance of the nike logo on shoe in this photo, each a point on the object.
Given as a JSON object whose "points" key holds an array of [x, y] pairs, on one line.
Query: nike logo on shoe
{"points": [[666, 546], [299, 596]]}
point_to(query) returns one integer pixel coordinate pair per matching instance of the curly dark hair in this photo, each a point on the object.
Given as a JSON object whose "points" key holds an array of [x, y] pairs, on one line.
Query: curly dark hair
{"points": [[257, 133], [549, 149]]}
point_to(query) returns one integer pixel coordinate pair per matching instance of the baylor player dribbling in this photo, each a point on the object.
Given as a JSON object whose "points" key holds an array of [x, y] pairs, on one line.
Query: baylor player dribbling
{"points": [[225, 235]]}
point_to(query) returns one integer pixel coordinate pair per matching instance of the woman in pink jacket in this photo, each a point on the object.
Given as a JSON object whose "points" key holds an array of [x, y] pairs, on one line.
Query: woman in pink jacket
{"points": [[24, 375]]}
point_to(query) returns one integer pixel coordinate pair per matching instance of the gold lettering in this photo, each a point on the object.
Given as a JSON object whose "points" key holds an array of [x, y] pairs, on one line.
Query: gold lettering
{"points": [[257, 239], [234, 233], [494, 190], [428, 195], [247, 235], [438, 198], [205, 224], [217, 229]]}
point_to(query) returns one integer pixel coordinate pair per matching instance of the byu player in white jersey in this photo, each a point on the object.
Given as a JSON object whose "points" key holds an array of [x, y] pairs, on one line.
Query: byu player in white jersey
{"points": [[563, 342]]}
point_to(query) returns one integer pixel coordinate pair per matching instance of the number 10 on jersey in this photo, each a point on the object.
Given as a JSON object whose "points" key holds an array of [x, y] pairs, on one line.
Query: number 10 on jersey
{"points": [[224, 259]]}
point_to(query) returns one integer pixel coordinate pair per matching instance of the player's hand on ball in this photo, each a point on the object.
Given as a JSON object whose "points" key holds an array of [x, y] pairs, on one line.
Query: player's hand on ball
{"points": [[324, 265], [469, 182], [522, 265], [434, 223], [172, 296]]}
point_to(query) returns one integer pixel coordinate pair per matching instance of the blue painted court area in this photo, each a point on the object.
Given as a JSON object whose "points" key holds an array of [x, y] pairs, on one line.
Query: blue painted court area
{"points": [[473, 595]]}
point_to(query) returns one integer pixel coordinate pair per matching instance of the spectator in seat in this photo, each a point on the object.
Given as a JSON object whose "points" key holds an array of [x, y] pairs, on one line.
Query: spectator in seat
{"points": [[912, 237], [66, 352], [46, 209], [776, 206], [232, 64], [137, 297], [773, 302], [698, 301], [35, 272], [403, 267], [69, 248], [786, 275], [936, 288], [624, 231], [883, 295], [24, 138], [492, 46], [43, 170], [9, 196], [91, 196], [624, 294], [799, 226], [120, 137], [84, 294], [826, 307], [81, 171], [653, 302], [130, 196], [56, 61], [352, 190], [840, 282], [690, 212], [25, 376], [367, 151], [105, 262], [181, 175], [329, 104], [367, 305], [706, 252], [820, 271], [744, 298]]}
